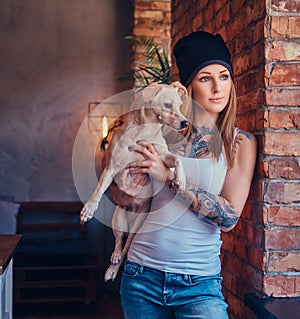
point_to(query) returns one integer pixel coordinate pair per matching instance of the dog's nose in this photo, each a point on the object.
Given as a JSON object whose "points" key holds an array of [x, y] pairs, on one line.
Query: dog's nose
{"points": [[184, 124]]}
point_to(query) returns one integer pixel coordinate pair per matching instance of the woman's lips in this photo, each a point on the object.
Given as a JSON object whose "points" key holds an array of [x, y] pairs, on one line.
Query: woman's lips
{"points": [[216, 100]]}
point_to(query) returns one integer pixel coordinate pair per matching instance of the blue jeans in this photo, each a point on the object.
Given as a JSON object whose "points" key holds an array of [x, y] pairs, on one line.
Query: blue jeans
{"points": [[147, 293]]}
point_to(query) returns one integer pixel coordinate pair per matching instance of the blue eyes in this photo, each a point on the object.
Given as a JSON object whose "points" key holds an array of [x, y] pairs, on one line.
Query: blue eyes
{"points": [[224, 77]]}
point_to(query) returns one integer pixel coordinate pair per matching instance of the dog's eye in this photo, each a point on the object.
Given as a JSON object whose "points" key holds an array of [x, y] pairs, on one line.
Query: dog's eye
{"points": [[168, 105]]}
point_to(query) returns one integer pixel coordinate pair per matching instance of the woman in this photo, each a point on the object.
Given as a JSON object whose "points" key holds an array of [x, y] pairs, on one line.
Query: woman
{"points": [[173, 266]]}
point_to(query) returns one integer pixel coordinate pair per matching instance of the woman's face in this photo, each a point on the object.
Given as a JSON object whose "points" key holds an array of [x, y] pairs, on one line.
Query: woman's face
{"points": [[211, 89]]}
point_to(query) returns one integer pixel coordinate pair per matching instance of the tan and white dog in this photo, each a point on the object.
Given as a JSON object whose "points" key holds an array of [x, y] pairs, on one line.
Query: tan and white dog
{"points": [[155, 106]]}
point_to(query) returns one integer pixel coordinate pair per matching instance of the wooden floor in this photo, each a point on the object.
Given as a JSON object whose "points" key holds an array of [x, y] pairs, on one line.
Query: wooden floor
{"points": [[106, 307]]}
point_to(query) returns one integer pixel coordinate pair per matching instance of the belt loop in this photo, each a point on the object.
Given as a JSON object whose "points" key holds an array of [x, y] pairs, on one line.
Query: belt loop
{"points": [[141, 269], [185, 277]]}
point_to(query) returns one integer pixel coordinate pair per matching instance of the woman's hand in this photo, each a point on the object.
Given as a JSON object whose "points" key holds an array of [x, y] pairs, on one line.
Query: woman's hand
{"points": [[152, 164]]}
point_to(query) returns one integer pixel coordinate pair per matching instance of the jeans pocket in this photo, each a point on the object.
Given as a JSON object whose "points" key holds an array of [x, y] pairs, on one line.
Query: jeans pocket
{"points": [[130, 268]]}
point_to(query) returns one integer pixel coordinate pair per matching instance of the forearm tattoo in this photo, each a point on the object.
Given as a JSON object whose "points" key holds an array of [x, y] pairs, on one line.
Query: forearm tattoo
{"points": [[214, 208]]}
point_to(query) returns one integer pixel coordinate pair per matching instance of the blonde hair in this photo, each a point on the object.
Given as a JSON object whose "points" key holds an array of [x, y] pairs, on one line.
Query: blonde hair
{"points": [[223, 132]]}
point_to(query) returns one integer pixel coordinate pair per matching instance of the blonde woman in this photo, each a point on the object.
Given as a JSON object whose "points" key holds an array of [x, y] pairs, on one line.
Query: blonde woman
{"points": [[173, 266]]}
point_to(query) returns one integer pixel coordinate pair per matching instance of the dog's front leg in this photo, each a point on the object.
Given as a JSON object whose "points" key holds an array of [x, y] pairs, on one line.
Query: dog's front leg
{"points": [[172, 161], [180, 178], [92, 204]]}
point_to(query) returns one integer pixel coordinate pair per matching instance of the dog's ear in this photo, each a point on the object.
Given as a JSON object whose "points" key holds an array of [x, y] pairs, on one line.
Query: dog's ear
{"points": [[150, 91], [180, 89]]}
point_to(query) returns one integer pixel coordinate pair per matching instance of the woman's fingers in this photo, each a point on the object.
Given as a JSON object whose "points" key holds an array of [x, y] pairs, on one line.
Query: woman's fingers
{"points": [[152, 164], [150, 147], [134, 166], [143, 150]]}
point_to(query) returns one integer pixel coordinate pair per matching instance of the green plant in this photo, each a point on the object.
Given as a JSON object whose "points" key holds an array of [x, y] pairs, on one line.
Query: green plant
{"points": [[154, 65]]}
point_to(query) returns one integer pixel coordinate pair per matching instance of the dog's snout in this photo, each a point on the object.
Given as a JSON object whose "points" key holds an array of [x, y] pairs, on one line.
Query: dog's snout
{"points": [[184, 124]]}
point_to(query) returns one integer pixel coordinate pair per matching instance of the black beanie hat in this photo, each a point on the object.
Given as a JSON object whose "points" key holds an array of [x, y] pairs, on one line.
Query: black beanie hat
{"points": [[198, 50]]}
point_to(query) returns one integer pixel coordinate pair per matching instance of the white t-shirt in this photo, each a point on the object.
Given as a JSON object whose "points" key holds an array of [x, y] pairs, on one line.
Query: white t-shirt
{"points": [[173, 238]]}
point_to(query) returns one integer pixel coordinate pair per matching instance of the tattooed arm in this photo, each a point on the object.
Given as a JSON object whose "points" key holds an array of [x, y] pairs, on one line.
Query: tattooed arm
{"points": [[215, 209], [224, 210]]}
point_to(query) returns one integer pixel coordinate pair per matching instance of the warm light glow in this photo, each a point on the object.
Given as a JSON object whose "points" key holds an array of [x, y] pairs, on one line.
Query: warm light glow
{"points": [[104, 127]]}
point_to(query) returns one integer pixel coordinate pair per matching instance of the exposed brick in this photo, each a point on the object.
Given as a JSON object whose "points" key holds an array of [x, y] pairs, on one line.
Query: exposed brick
{"points": [[229, 281], [255, 11], [234, 264], [247, 211], [228, 242], [258, 32], [283, 97], [197, 22], [282, 193], [252, 233], [251, 101], [149, 32], [142, 5], [258, 214], [238, 307], [283, 51], [236, 6], [161, 5], [208, 14], [222, 17], [287, 144], [219, 4], [284, 215], [257, 55], [284, 261], [149, 14], [261, 119], [144, 23], [257, 258], [246, 122], [281, 239], [285, 6], [286, 119], [265, 55], [284, 26], [241, 249], [252, 276], [235, 26], [280, 286], [284, 75], [251, 81], [283, 168]]}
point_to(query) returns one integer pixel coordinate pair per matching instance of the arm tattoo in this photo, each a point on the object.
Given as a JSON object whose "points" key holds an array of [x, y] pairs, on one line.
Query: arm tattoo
{"points": [[239, 138], [214, 208]]}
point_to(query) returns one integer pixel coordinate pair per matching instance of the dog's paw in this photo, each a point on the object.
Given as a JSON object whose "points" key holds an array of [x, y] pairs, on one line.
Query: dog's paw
{"points": [[88, 211], [111, 272], [116, 257]]}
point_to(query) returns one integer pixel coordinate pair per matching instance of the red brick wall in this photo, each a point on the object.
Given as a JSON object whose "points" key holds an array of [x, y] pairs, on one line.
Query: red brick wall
{"points": [[279, 168], [153, 19], [262, 254]]}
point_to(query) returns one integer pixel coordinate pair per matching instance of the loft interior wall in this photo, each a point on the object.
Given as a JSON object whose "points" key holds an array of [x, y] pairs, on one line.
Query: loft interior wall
{"points": [[55, 57]]}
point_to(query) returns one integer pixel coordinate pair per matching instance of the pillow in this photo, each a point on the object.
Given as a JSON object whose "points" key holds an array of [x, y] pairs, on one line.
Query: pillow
{"points": [[8, 217]]}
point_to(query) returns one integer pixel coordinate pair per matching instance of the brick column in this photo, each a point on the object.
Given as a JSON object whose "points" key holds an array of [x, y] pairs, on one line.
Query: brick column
{"points": [[281, 150], [153, 19]]}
